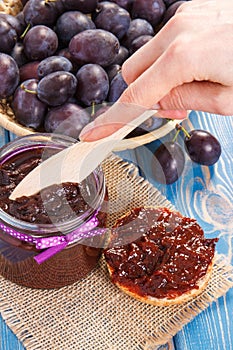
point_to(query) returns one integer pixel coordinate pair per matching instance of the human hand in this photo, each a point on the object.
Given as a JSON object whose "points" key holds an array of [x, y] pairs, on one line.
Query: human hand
{"points": [[187, 65]]}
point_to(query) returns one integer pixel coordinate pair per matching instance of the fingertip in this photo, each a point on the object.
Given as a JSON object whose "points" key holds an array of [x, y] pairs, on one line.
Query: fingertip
{"points": [[126, 74], [86, 132], [95, 132]]}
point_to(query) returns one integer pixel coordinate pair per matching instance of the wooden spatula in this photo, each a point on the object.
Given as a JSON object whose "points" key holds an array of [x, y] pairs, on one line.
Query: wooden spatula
{"points": [[76, 162]]}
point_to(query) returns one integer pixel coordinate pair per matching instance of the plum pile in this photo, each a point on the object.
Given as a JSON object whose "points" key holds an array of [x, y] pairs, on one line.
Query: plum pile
{"points": [[59, 57]]}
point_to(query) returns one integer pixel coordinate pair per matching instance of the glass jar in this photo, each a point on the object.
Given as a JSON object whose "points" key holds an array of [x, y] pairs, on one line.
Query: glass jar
{"points": [[60, 253]]}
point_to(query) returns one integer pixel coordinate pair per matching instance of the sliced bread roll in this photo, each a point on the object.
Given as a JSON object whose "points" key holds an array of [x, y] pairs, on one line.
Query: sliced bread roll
{"points": [[159, 256]]}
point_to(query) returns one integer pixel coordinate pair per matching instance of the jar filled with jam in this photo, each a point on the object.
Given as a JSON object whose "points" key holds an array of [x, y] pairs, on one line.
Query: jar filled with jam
{"points": [[55, 237]]}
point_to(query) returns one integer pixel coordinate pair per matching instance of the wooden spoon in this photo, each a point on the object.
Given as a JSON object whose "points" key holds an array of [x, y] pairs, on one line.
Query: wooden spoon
{"points": [[76, 162]]}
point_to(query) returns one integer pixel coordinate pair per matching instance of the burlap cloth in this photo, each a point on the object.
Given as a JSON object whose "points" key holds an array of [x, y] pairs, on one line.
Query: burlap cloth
{"points": [[93, 314]]}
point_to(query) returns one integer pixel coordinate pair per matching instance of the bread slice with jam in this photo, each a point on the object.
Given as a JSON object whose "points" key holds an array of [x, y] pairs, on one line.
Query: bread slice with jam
{"points": [[159, 257]]}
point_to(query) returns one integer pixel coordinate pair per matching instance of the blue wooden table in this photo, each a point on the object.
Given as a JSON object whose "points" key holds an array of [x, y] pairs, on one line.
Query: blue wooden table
{"points": [[203, 193]]}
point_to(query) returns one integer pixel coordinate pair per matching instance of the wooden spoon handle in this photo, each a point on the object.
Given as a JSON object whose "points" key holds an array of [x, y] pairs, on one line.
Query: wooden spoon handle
{"points": [[74, 163]]}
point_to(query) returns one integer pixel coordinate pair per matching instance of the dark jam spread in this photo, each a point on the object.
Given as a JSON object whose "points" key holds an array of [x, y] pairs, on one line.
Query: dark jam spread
{"points": [[157, 252], [57, 203], [54, 204]]}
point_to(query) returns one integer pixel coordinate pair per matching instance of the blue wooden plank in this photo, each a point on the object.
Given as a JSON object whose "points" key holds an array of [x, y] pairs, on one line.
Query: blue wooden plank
{"points": [[12, 136], [206, 194], [8, 341], [212, 329], [4, 136]]}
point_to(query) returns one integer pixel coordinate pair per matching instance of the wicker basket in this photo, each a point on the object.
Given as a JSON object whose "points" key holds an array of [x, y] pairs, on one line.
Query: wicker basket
{"points": [[8, 121], [10, 6]]}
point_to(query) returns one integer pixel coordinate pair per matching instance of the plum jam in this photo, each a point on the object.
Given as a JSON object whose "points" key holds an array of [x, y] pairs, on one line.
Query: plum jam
{"points": [[157, 252], [53, 238]]}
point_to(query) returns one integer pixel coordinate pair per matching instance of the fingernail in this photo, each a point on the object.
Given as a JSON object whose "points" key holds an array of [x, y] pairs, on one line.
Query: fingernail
{"points": [[97, 132], [86, 131]]}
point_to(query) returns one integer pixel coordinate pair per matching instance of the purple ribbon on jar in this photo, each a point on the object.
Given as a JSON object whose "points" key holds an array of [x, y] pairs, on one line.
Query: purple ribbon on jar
{"points": [[54, 244]]}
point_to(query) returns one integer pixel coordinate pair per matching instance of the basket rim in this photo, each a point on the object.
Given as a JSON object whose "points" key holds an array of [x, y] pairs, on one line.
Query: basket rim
{"points": [[11, 7], [9, 123]]}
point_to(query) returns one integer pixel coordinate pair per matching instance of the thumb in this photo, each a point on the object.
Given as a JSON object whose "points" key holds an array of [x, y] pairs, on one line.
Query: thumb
{"points": [[117, 116], [110, 121]]}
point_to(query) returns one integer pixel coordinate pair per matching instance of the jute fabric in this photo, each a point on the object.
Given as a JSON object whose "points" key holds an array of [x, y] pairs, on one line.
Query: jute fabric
{"points": [[93, 314]]}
